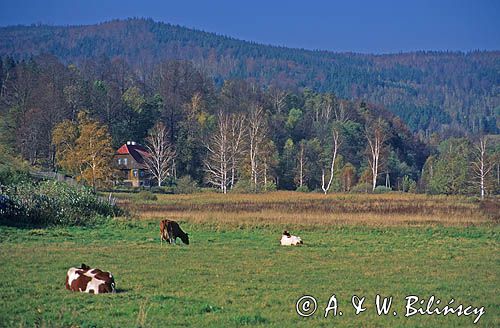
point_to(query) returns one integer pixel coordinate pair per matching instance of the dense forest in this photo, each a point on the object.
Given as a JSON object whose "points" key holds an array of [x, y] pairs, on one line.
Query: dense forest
{"points": [[237, 115], [451, 93], [237, 136]]}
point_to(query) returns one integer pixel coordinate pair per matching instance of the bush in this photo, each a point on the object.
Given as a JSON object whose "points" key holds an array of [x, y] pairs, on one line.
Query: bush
{"points": [[9, 209], [362, 187], [162, 190], [408, 184], [270, 186], [51, 203], [382, 190], [9, 176], [146, 195], [304, 188], [243, 186], [185, 185]]}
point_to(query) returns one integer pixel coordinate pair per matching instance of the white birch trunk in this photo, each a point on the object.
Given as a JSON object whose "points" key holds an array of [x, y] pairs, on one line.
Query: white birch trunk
{"points": [[336, 145]]}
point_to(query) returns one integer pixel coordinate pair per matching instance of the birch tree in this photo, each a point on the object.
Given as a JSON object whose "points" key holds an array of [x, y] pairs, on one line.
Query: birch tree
{"points": [[482, 165], [336, 142], [278, 98], [341, 114], [161, 153], [327, 105], [218, 162], [301, 163], [237, 134], [269, 162], [257, 133], [376, 136]]}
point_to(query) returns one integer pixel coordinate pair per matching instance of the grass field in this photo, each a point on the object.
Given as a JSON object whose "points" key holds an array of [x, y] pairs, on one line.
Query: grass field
{"points": [[234, 273], [312, 210]]}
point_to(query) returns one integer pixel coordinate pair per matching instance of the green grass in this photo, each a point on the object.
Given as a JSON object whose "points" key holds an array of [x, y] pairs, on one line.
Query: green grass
{"points": [[240, 276]]}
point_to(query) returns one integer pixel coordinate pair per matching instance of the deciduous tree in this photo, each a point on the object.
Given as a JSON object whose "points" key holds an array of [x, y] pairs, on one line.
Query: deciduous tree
{"points": [[94, 152], [376, 135], [84, 150], [257, 134], [218, 161], [336, 142], [482, 164], [301, 163], [237, 144], [64, 136], [159, 161]]}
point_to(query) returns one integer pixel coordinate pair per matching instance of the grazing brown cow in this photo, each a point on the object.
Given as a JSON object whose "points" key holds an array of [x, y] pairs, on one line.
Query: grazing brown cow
{"points": [[88, 280], [170, 230]]}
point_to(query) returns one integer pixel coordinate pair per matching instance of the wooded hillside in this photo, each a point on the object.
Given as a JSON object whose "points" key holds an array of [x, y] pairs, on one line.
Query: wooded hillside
{"points": [[446, 92]]}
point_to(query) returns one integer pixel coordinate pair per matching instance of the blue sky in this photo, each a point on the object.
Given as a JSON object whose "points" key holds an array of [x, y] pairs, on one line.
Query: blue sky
{"points": [[378, 26]]}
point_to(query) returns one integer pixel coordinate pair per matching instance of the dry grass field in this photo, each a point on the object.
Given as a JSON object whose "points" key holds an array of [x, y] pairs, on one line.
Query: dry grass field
{"points": [[312, 210]]}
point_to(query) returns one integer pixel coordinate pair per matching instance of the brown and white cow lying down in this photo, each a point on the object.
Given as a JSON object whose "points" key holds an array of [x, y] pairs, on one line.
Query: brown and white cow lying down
{"points": [[170, 230], [289, 240], [88, 280]]}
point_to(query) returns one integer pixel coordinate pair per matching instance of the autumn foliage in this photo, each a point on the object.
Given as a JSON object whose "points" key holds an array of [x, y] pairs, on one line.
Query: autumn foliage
{"points": [[84, 150]]}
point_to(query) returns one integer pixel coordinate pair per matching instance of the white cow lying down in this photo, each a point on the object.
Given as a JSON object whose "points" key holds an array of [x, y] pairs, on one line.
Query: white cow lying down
{"points": [[288, 240]]}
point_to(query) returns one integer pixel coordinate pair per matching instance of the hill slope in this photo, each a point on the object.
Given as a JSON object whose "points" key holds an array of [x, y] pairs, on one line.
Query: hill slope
{"points": [[431, 91]]}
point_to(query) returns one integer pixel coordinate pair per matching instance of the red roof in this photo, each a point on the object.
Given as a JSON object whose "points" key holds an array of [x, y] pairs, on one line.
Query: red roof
{"points": [[135, 150]]}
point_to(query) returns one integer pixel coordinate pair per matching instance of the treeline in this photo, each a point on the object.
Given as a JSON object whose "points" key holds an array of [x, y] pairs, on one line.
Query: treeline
{"points": [[236, 136], [453, 94]]}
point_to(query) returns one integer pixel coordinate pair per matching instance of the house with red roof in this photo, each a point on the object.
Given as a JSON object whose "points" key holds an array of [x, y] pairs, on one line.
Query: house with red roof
{"points": [[129, 160]]}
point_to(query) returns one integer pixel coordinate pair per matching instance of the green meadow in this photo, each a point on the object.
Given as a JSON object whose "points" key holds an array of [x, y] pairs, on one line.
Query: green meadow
{"points": [[237, 275]]}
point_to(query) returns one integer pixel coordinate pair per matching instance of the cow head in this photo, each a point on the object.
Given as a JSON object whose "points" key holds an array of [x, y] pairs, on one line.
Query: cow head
{"points": [[185, 238], [108, 286]]}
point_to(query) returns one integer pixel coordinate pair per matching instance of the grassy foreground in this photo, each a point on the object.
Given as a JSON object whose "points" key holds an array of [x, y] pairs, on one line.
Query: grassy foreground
{"points": [[233, 275]]}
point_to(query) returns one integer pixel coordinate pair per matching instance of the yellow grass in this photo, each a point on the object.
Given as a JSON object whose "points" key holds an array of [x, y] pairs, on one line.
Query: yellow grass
{"points": [[293, 208]]}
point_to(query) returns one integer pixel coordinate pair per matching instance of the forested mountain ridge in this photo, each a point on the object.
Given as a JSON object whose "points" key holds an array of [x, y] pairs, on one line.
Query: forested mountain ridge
{"points": [[447, 92]]}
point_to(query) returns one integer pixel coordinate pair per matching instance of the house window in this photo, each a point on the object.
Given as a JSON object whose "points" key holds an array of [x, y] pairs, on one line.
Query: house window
{"points": [[119, 161], [135, 173], [124, 161]]}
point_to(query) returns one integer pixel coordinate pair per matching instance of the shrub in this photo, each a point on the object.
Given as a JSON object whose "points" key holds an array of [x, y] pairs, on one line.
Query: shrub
{"points": [[51, 203], [10, 176], [185, 185], [162, 190], [243, 186], [9, 209], [270, 186], [146, 195], [304, 188], [382, 190], [408, 184], [362, 187]]}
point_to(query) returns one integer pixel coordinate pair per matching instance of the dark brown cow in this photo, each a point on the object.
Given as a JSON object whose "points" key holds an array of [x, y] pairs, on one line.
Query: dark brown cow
{"points": [[170, 230], [88, 280]]}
